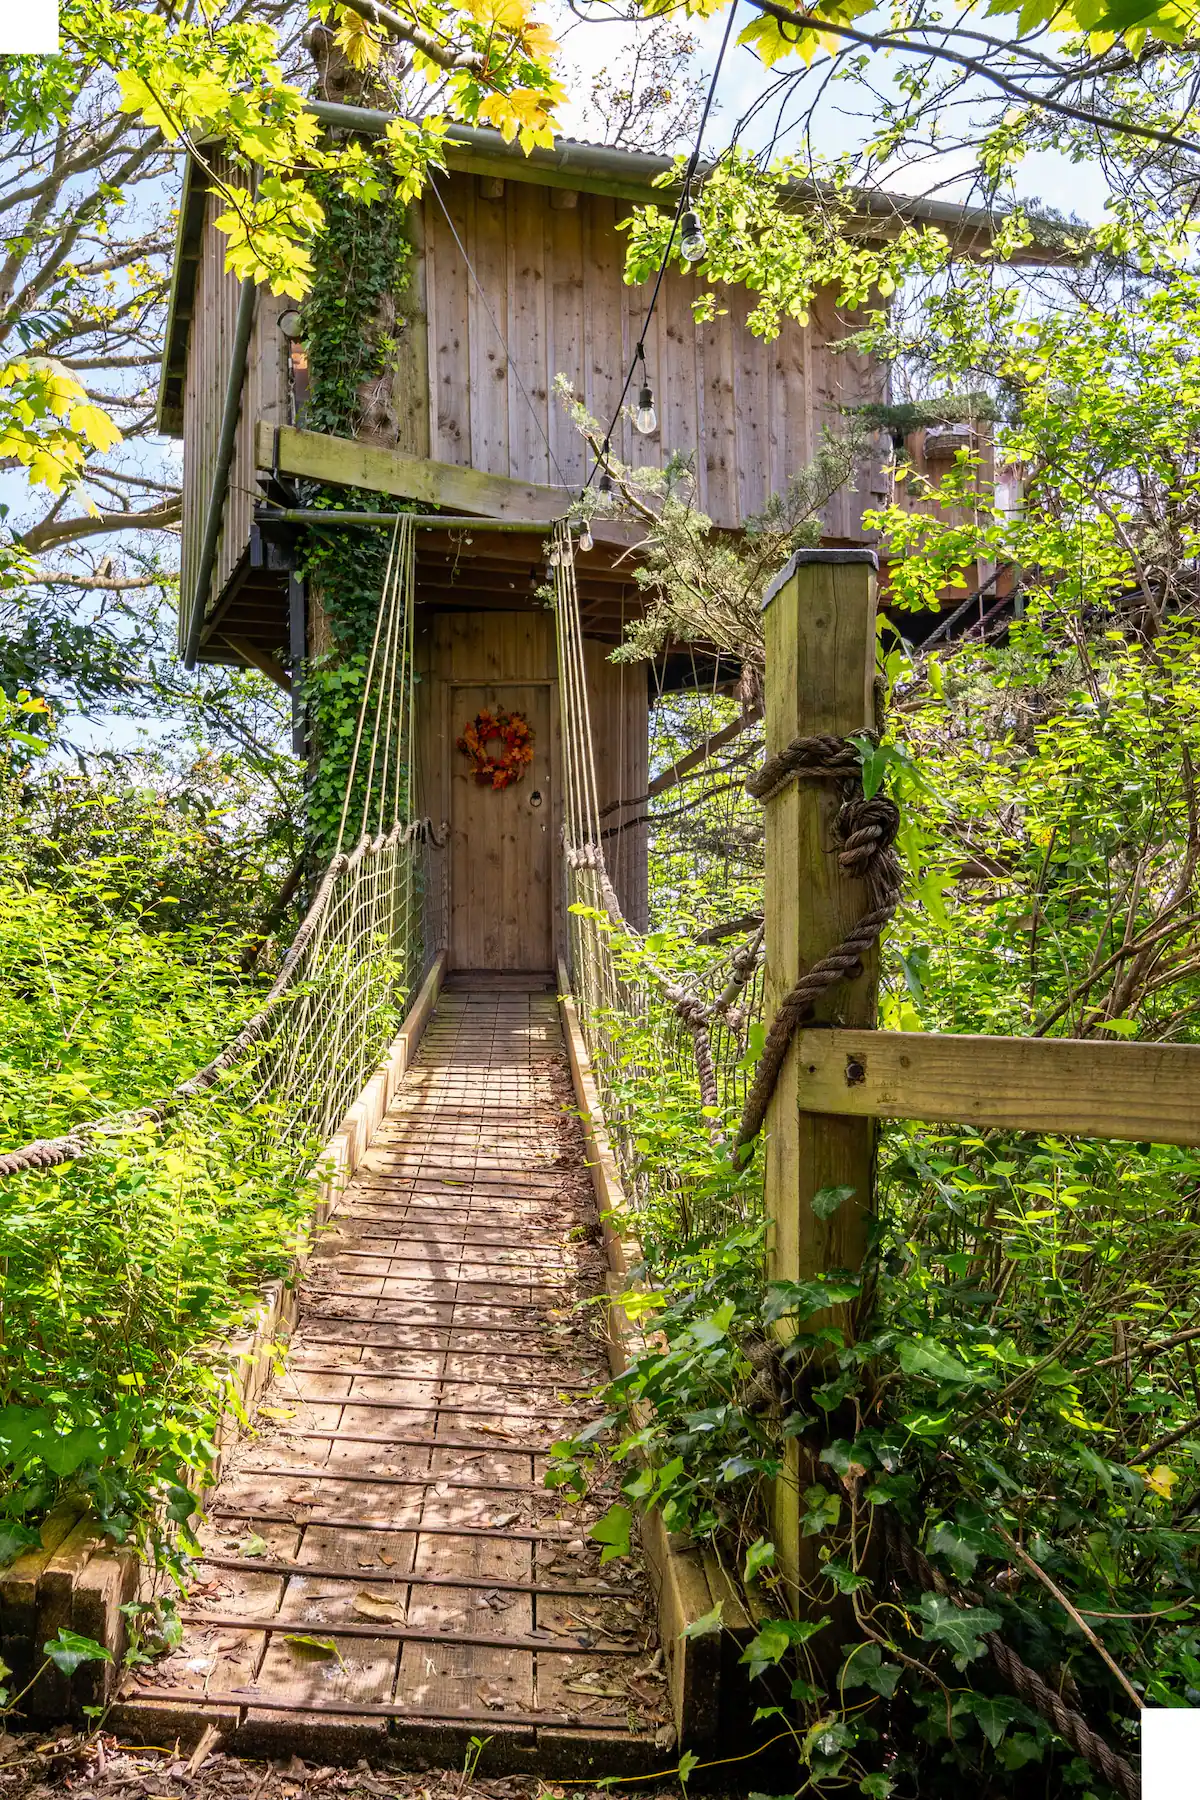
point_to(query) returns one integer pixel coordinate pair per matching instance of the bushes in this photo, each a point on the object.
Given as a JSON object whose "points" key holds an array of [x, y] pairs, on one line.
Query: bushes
{"points": [[116, 1268]]}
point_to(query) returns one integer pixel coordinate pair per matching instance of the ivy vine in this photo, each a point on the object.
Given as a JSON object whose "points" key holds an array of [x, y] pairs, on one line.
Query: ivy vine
{"points": [[349, 325]]}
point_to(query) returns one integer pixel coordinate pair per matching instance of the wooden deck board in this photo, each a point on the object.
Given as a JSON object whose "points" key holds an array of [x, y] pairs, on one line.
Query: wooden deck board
{"points": [[397, 1472]]}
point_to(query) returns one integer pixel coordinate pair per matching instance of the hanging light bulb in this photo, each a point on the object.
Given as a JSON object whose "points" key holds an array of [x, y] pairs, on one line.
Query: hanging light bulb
{"points": [[645, 417], [585, 537], [693, 245]]}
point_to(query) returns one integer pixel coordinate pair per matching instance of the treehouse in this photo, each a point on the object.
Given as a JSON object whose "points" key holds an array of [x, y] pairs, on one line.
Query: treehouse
{"points": [[516, 279]]}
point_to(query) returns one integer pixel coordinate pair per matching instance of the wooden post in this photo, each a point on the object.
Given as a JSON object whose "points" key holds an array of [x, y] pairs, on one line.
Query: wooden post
{"points": [[819, 624]]}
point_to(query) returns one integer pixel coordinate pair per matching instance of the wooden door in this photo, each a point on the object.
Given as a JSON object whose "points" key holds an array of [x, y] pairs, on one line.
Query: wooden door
{"points": [[502, 848]]}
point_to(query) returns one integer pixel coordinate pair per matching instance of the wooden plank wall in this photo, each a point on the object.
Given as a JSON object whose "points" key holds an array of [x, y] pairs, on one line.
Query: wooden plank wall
{"points": [[460, 649], [264, 396], [549, 264]]}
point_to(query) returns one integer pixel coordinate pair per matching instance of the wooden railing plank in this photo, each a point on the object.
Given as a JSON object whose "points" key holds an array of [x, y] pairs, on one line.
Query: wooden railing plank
{"points": [[1072, 1086], [380, 469]]}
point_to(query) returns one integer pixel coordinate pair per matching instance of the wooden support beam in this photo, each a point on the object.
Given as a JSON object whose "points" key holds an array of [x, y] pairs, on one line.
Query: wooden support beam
{"points": [[345, 462], [674, 775], [1145, 1093], [261, 660], [819, 626]]}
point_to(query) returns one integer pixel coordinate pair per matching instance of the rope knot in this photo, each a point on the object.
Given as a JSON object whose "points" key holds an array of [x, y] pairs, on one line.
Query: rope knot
{"points": [[864, 830], [690, 1007], [821, 758]]}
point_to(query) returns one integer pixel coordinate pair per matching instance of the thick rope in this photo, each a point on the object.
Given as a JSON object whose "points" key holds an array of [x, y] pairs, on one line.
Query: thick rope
{"points": [[1017, 1675], [865, 831], [824, 758]]}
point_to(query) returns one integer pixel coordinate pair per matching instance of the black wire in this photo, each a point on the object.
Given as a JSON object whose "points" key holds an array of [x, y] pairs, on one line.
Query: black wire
{"points": [[639, 354]]}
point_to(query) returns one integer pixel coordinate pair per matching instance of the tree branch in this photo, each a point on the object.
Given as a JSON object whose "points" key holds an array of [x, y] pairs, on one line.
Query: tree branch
{"points": [[973, 66], [411, 33], [48, 536]]}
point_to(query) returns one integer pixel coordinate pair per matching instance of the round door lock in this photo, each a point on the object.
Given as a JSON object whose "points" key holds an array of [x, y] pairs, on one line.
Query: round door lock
{"points": [[535, 799]]}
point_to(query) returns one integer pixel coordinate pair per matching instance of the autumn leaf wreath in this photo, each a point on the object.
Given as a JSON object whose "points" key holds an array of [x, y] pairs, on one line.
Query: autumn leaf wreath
{"points": [[515, 735]]}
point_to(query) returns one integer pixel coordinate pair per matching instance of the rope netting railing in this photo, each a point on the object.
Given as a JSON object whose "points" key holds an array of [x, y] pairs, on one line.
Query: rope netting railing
{"points": [[647, 1030], [308, 1050]]}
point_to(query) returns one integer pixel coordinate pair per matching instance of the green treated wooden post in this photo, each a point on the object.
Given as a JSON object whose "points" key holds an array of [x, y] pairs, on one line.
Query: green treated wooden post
{"points": [[819, 624]]}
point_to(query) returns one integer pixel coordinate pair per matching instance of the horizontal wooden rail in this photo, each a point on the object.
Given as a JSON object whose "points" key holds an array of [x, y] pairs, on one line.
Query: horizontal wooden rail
{"points": [[1141, 1092]]}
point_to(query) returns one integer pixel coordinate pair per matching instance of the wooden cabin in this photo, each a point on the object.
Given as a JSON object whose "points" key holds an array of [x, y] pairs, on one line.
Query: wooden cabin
{"points": [[517, 279]]}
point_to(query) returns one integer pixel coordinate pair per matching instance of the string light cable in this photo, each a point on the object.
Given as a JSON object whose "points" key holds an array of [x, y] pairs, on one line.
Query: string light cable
{"points": [[685, 225]]}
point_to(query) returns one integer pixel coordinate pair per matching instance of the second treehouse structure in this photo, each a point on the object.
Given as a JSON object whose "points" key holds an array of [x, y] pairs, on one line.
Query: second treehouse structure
{"points": [[515, 278]]}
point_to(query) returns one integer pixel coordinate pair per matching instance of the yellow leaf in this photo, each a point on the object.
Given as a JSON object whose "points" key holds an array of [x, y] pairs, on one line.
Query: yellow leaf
{"points": [[95, 425], [1160, 1480], [358, 42]]}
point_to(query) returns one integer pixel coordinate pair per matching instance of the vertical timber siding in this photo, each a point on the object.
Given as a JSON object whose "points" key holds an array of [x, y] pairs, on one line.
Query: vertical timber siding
{"points": [[264, 396], [550, 267]]}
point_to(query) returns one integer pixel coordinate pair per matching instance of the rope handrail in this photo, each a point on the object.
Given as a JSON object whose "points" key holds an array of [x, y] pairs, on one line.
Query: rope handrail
{"points": [[696, 1025], [359, 950]]}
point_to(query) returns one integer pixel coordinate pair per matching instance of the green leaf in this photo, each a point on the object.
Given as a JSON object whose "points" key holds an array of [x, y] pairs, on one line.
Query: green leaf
{"points": [[68, 1651], [687, 1763], [958, 1553], [13, 1539], [759, 1556], [774, 1640], [843, 1577], [613, 1531], [706, 1624], [305, 1645], [925, 1356], [994, 1712], [960, 1627], [711, 1330], [826, 1200], [864, 1667]]}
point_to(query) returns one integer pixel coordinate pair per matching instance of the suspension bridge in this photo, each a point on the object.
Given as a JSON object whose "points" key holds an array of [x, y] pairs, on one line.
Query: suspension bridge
{"points": [[379, 1568]]}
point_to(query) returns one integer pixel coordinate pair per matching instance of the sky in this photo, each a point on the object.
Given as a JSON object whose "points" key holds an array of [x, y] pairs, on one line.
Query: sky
{"points": [[1070, 188]]}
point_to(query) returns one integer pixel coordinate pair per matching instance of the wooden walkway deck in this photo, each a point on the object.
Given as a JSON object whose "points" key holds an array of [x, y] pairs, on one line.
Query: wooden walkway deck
{"points": [[383, 1572]]}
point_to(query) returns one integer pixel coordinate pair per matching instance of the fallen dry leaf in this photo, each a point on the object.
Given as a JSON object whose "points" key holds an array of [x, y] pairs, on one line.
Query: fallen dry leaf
{"points": [[374, 1606]]}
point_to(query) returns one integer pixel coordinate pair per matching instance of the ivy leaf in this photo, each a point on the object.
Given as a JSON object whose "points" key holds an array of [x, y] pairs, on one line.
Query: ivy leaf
{"points": [[13, 1539], [774, 1640], [759, 1556], [945, 1541], [708, 1623], [994, 1712], [687, 1763], [864, 1667], [823, 1510], [613, 1531], [826, 1200], [68, 1651], [960, 1627], [711, 1330], [843, 1577]]}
